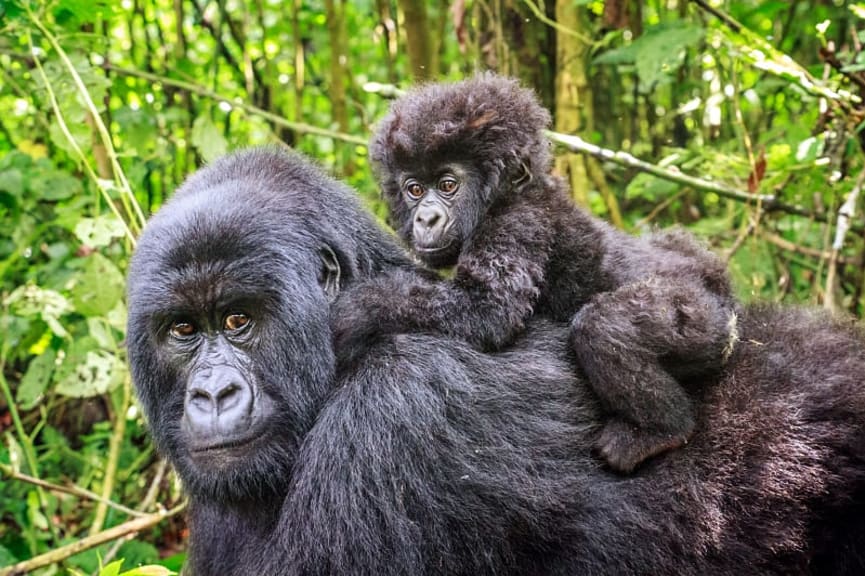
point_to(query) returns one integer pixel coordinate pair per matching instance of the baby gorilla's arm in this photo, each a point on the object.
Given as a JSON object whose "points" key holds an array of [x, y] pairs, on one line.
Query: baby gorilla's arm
{"points": [[493, 292]]}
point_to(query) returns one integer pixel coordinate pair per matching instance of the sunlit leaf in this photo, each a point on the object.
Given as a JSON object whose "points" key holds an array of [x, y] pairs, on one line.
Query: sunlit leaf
{"points": [[36, 379], [207, 138], [31, 300], [100, 372], [98, 232], [98, 288]]}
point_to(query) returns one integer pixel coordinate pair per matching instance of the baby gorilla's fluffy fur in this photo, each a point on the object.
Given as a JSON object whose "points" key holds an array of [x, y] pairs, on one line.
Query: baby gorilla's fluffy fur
{"points": [[466, 171]]}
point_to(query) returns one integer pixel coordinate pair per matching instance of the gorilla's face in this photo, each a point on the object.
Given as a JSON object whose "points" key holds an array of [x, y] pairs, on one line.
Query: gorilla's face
{"points": [[441, 204], [229, 342]]}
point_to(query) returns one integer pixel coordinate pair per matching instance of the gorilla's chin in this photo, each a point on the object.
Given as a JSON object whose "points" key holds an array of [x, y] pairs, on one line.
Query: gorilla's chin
{"points": [[439, 256], [255, 470]]}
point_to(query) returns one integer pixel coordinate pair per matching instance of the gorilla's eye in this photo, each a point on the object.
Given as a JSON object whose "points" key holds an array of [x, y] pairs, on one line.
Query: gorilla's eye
{"points": [[235, 321], [182, 329], [448, 185], [414, 190]]}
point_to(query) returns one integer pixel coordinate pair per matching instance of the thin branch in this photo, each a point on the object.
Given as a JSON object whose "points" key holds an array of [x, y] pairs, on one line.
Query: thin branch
{"points": [[278, 120], [842, 226], [149, 499], [119, 531], [770, 202], [136, 217], [536, 10], [61, 121], [768, 58], [10, 473], [785, 244], [114, 446]]}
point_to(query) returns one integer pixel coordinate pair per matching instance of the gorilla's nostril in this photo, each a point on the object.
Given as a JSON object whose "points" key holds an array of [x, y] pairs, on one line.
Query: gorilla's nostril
{"points": [[228, 397], [201, 398], [226, 392]]}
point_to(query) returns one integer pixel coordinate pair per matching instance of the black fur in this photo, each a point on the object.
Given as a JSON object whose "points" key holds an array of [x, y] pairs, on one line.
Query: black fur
{"points": [[651, 313], [429, 457]]}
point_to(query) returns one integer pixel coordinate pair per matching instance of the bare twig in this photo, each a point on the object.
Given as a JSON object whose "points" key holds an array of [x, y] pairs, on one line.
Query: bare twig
{"points": [[148, 500], [113, 455], [8, 472], [249, 108], [60, 554], [842, 226], [785, 244]]}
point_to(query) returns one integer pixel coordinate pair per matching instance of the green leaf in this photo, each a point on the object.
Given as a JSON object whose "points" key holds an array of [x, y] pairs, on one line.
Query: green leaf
{"points": [[11, 181], [658, 53], [80, 12], [100, 330], [34, 512], [100, 372], [207, 138], [51, 184], [98, 288], [650, 188], [31, 300], [36, 379], [152, 570], [98, 232], [6, 557], [112, 569], [138, 553]]}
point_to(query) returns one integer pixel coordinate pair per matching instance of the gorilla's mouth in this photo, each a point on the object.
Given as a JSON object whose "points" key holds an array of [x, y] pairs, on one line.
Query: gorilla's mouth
{"points": [[434, 250], [226, 446]]}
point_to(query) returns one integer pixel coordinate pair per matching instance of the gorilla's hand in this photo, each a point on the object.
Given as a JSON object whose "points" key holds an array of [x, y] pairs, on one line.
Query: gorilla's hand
{"points": [[372, 309]]}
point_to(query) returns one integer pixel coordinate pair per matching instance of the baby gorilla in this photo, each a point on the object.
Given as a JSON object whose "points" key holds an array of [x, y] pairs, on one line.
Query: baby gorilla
{"points": [[466, 171]]}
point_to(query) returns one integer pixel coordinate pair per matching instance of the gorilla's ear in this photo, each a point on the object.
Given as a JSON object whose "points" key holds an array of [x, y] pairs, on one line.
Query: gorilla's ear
{"points": [[331, 274]]}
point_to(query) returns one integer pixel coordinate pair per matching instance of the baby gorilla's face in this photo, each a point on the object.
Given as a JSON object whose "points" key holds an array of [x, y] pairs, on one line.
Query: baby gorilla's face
{"points": [[443, 206]]}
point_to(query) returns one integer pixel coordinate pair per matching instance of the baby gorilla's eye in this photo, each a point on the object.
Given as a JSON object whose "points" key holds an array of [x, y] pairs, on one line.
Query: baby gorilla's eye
{"points": [[182, 329], [448, 185], [414, 190], [235, 321]]}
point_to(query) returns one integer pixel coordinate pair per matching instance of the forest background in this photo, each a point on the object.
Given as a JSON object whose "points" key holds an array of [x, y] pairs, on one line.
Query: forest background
{"points": [[741, 121]]}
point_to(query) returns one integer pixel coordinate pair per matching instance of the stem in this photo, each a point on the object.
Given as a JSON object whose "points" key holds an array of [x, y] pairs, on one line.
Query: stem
{"points": [[770, 202], [113, 456], [23, 438], [137, 218], [10, 473], [60, 554], [249, 108], [80, 153]]}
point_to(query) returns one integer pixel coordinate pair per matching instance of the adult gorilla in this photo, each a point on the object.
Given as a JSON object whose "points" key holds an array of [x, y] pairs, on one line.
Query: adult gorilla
{"points": [[426, 456]]}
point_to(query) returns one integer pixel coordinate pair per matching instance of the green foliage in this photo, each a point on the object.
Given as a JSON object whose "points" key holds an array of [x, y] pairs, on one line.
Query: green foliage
{"points": [[657, 54]]}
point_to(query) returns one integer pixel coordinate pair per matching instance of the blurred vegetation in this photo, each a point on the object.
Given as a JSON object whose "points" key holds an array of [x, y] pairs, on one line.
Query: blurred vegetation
{"points": [[106, 106]]}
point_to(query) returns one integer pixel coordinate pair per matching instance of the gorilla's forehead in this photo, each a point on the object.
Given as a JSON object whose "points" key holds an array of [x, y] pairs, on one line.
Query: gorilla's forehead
{"points": [[204, 253]]}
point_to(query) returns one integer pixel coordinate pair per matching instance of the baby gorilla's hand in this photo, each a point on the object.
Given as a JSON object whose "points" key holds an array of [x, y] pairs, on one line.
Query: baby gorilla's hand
{"points": [[371, 310]]}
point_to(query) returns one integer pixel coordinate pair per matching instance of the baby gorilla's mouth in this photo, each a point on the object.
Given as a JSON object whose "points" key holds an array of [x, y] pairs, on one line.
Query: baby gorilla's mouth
{"points": [[434, 249]]}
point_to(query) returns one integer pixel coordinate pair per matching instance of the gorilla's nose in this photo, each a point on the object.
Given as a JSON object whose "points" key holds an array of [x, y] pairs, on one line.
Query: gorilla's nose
{"points": [[429, 223], [219, 407]]}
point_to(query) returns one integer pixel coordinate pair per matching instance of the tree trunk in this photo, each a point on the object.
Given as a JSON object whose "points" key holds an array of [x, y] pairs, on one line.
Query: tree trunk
{"points": [[416, 27], [574, 111], [338, 78], [573, 95]]}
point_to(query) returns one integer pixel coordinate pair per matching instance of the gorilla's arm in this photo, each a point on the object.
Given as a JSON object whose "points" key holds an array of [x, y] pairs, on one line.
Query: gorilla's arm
{"points": [[494, 290]]}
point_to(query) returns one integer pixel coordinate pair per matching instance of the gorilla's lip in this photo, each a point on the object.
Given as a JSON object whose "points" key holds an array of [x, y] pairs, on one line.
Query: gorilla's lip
{"points": [[227, 445], [434, 249]]}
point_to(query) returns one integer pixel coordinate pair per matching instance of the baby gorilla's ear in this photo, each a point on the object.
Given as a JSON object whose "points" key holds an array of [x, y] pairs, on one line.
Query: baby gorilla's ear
{"points": [[330, 275]]}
